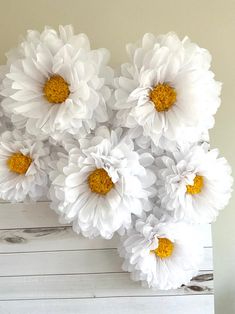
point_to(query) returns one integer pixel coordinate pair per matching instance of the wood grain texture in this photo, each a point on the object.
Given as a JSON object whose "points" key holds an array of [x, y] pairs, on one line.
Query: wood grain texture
{"points": [[70, 262], [27, 216], [49, 239], [62, 238], [122, 305], [92, 286], [46, 268]]}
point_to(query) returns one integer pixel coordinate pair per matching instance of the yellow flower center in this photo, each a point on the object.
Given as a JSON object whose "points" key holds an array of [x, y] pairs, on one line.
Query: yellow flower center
{"points": [[56, 89], [196, 187], [19, 163], [165, 248], [100, 182], [163, 96]]}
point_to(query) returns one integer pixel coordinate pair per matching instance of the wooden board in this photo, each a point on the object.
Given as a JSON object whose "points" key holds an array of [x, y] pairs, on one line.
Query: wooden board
{"points": [[127, 305], [46, 268], [99, 285]]}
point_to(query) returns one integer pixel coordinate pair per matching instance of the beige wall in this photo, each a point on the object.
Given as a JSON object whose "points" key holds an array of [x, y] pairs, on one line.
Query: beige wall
{"points": [[111, 24]]}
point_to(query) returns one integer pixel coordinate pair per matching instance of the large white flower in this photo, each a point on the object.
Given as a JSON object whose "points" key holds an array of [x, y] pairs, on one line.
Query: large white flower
{"points": [[163, 255], [55, 83], [101, 183], [167, 89], [193, 183], [23, 167]]}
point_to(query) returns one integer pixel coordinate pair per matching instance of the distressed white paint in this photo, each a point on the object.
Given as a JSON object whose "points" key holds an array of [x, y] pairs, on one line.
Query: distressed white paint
{"points": [[92, 286], [127, 305], [60, 238], [46, 268]]}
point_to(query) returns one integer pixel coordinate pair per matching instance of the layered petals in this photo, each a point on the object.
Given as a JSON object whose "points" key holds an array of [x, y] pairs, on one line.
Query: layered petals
{"points": [[23, 167], [167, 90], [194, 183], [162, 255], [54, 83], [101, 182]]}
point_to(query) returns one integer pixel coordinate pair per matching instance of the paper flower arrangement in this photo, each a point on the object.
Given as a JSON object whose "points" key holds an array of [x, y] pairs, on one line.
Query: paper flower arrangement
{"points": [[123, 152]]}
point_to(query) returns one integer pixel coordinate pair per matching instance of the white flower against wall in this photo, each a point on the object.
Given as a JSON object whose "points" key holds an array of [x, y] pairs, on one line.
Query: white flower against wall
{"points": [[55, 83], [167, 89], [23, 167], [101, 183], [162, 255], [194, 183]]}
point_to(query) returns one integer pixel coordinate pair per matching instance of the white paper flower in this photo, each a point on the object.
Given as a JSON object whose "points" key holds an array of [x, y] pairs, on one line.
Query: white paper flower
{"points": [[23, 167], [101, 183], [55, 83], [167, 89], [194, 184], [163, 255]]}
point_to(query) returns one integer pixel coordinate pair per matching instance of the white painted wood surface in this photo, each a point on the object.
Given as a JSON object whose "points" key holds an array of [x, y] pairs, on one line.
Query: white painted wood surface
{"points": [[134, 305], [46, 268]]}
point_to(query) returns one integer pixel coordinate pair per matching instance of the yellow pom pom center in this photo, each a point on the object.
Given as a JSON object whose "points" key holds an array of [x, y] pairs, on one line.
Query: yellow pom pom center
{"points": [[56, 89], [197, 185], [165, 248], [100, 182], [19, 163], [163, 97]]}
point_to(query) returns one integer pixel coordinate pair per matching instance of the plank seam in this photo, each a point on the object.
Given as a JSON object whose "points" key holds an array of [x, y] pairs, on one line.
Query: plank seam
{"points": [[58, 251], [83, 274], [64, 274], [111, 297], [60, 227], [69, 250]]}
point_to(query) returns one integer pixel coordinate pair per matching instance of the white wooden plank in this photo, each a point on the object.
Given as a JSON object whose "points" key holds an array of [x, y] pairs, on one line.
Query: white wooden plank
{"points": [[27, 215], [61, 262], [200, 304], [39, 215], [49, 239], [41, 259], [92, 285], [70, 262], [61, 238]]}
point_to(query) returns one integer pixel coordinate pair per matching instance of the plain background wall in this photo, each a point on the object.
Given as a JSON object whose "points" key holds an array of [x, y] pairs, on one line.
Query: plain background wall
{"points": [[112, 24]]}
